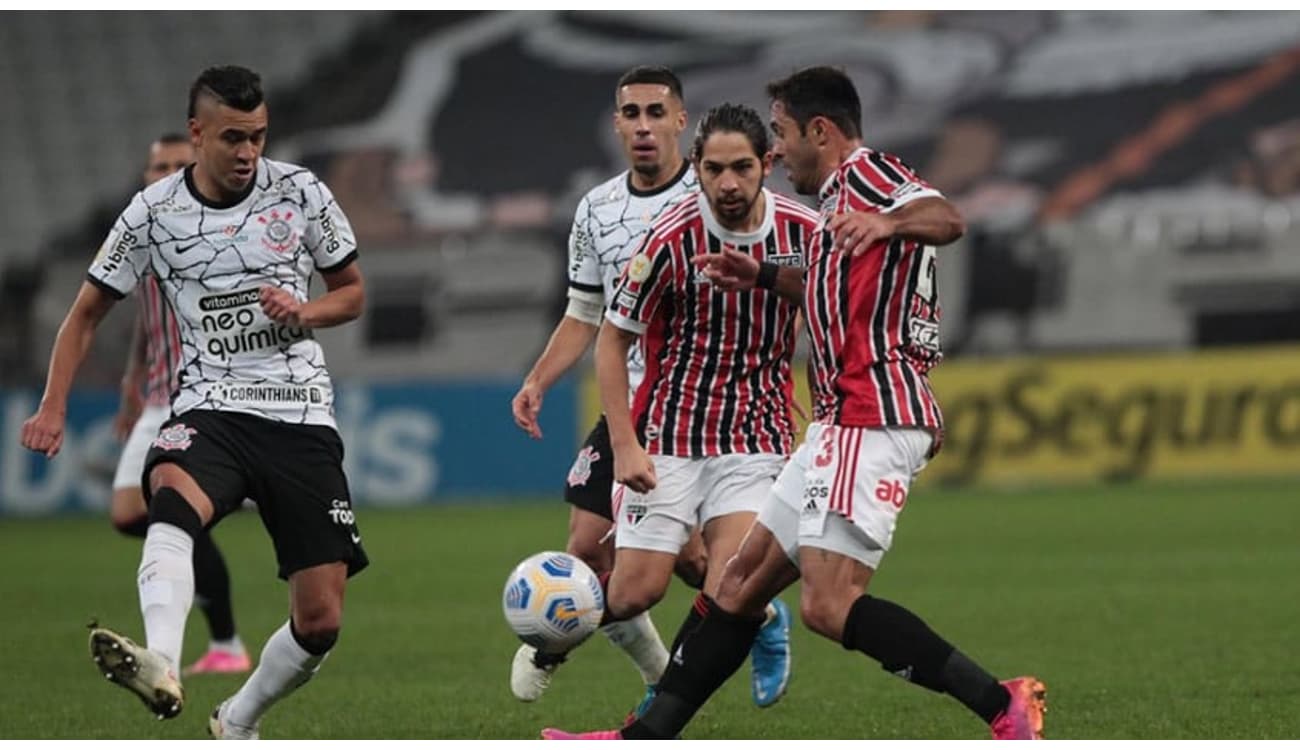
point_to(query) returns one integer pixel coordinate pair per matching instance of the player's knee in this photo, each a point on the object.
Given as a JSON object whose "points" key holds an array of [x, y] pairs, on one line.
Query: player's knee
{"points": [[822, 614], [315, 636], [170, 507], [316, 627]]}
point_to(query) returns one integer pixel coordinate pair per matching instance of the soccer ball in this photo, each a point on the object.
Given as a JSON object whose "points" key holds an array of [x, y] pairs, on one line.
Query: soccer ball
{"points": [[553, 601]]}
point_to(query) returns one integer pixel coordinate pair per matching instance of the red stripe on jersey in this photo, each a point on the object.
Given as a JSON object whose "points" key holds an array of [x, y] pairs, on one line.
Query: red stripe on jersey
{"points": [[653, 342], [162, 344], [718, 381], [853, 473], [837, 503], [873, 320]]}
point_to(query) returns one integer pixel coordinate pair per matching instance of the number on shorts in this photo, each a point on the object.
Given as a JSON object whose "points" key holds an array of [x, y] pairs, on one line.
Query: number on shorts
{"points": [[827, 451]]}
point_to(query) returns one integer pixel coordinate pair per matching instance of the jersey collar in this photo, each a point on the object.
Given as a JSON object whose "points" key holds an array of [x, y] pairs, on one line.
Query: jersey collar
{"points": [[681, 173], [203, 200]]}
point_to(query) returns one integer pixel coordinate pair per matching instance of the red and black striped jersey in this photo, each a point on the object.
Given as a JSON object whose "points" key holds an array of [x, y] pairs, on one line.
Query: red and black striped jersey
{"points": [[873, 320], [162, 344], [717, 363]]}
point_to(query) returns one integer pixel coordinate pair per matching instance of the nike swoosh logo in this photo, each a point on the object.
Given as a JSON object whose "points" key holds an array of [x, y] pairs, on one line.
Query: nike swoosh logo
{"points": [[356, 539]]}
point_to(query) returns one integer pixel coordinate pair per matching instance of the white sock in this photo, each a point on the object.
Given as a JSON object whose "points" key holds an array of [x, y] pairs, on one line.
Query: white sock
{"points": [[640, 641], [166, 582], [769, 614], [231, 646], [283, 668]]}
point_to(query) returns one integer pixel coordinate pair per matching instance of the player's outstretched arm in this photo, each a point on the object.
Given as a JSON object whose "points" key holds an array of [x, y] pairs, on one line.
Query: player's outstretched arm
{"points": [[632, 466], [342, 302], [733, 270], [43, 432], [568, 342], [931, 221]]}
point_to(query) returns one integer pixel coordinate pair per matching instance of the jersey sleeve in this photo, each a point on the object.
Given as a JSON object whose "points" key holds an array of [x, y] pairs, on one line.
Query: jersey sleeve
{"points": [[585, 282], [904, 184], [646, 280], [124, 256], [328, 236]]}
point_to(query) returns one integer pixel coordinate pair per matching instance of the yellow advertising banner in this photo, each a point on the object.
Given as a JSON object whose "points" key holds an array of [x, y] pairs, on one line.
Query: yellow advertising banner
{"points": [[1209, 413], [1221, 412]]}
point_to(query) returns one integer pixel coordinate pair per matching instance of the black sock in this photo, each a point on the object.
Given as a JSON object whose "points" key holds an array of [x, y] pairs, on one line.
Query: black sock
{"points": [[975, 688], [693, 617], [212, 588], [702, 660], [541, 659], [905, 646]]}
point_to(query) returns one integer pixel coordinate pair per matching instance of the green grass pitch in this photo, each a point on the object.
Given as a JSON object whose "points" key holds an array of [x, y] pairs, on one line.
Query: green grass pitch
{"points": [[1151, 611]]}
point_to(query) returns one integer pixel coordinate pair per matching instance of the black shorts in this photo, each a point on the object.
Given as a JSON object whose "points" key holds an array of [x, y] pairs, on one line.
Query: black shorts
{"points": [[294, 472], [591, 480]]}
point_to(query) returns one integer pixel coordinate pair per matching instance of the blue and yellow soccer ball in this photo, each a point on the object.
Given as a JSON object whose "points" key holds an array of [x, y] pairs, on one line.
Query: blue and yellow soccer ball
{"points": [[553, 601]]}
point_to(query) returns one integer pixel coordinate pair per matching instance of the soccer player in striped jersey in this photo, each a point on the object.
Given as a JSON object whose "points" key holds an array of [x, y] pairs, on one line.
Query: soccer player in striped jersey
{"points": [[711, 425], [872, 312], [610, 224], [153, 363]]}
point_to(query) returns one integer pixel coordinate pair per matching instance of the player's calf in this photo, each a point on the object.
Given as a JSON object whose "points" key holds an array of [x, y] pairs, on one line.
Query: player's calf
{"points": [[824, 612], [639, 580], [692, 563]]}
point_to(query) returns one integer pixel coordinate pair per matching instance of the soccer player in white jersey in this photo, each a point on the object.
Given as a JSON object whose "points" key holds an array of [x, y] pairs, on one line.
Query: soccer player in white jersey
{"points": [[233, 241], [609, 225], [152, 367]]}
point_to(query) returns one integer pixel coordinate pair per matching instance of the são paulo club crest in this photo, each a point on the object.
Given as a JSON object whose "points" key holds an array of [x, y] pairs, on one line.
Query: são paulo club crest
{"points": [[278, 235], [174, 437], [581, 470], [633, 512]]}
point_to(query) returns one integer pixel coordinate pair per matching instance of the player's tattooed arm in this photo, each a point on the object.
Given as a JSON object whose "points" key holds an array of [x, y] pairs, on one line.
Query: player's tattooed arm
{"points": [[43, 432], [931, 221]]}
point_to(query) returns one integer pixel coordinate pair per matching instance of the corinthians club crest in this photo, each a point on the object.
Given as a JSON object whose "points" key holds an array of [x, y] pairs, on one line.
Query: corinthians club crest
{"points": [[279, 234], [581, 470], [174, 437]]}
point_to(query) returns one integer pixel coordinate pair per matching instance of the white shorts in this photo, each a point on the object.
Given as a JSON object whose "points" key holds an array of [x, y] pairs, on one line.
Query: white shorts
{"points": [[130, 466], [844, 488], [691, 492]]}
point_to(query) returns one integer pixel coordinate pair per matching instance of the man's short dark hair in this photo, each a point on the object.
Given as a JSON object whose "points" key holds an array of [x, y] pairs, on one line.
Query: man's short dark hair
{"points": [[653, 74], [731, 118], [230, 85], [171, 139], [820, 92]]}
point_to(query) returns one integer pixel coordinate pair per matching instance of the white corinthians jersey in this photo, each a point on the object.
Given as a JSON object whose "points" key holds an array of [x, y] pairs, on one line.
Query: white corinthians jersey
{"points": [[210, 261], [609, 226]]}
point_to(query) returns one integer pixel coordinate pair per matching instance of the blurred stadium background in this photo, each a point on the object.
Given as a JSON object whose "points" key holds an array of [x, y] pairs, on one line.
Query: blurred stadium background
{"points": [[1122, 325]]}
